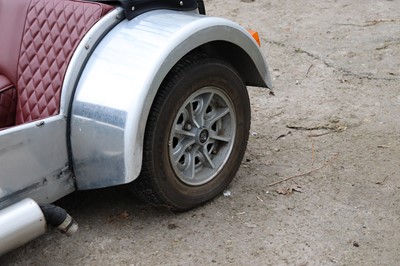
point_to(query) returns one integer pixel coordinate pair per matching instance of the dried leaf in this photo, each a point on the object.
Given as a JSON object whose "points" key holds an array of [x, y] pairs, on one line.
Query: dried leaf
{"points": [[289, 190], [284, 191], [297, 188]]}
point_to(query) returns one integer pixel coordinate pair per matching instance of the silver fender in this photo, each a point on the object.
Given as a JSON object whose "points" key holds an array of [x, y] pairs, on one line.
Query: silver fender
{"points": [[120, 80]]}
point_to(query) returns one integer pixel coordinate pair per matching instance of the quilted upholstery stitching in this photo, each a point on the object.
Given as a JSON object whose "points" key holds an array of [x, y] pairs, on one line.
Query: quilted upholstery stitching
{"points": [[53, 29]]}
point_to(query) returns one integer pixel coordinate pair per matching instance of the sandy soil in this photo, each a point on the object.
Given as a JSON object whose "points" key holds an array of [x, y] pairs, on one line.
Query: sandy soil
{"points": [[332, 128]]}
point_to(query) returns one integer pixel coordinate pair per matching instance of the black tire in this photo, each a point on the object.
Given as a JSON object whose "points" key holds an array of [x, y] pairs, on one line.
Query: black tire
{"points": [[164, 180]]}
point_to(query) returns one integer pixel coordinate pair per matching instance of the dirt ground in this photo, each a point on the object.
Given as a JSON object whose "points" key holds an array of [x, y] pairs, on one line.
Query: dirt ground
{"points": [[332, 128]]}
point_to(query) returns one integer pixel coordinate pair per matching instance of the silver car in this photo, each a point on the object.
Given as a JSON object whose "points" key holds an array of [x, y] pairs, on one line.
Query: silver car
{"points": [[101, 93]]}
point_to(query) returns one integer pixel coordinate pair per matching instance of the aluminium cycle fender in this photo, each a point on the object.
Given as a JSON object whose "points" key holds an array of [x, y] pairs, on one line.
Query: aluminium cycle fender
{"points": [[120, 80]]}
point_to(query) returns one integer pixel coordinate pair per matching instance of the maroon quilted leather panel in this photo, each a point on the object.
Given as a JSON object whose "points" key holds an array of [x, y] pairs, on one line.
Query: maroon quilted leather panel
{"points": [[12, 21], [52, 31], [8, 102]]}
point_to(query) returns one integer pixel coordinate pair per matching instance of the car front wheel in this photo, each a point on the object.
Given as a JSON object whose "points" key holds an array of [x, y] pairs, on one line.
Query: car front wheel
{"points": [[196, 134]]}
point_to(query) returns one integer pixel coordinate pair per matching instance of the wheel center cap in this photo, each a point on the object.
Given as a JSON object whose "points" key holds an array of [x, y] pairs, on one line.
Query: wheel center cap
{"points": [[203, 136]]}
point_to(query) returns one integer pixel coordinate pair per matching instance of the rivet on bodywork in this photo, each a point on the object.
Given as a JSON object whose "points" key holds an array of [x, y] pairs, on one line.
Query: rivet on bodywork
{"points": [[87, 46], [181, 3], [40, 123], [133, 8]]}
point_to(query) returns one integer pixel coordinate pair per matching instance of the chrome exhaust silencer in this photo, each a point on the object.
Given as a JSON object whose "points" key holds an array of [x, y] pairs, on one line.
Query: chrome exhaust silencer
{"points": [[26, 220], [20, 223]]}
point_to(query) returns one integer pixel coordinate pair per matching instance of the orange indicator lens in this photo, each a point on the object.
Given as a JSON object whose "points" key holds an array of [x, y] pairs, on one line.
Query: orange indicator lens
{"points": [[255, 36]]}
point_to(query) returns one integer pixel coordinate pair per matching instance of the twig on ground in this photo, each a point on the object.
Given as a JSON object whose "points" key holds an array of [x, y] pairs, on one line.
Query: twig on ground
{"points": [[328, 162], [337, 127], [319, 135], [382, 182], [308, 71], [368, 23], [311, 128], [383, 146], [313, 152], [284, 135]]}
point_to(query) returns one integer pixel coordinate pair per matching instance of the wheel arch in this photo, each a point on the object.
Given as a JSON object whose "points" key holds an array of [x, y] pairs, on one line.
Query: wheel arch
{"points": [[119, 83], [241, 61]]}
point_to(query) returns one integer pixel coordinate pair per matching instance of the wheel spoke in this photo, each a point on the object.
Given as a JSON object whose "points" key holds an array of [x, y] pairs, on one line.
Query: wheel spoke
{"points": [[190, 170], [192, 166], [178, 153], [208, 160], [207, 99], [179, 131], [221, 112], [220, 138], [192, 116]]}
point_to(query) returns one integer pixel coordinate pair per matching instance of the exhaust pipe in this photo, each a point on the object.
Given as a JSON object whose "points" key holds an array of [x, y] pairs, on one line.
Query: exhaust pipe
{"points": [[58, 217], [20, 223], [26, 220]]}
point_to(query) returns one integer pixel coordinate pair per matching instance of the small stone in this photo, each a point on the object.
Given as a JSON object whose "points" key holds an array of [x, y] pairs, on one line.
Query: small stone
{"points": [[250, 225], [227, 193]]}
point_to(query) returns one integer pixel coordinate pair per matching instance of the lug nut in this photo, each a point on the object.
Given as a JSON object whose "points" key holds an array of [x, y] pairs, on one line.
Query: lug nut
{"points": [[188, 127]]}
